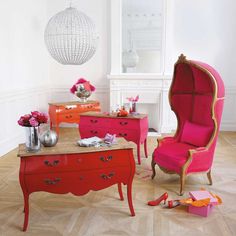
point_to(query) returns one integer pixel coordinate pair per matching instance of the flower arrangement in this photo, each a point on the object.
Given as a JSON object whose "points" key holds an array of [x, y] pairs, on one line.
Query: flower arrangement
{"points": [[82, 84], [133, 101], [33, 120]]}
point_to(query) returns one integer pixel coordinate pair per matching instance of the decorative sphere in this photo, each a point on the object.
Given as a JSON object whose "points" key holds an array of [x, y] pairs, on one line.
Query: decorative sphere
{"points": [[71, 37], [49, 138]]}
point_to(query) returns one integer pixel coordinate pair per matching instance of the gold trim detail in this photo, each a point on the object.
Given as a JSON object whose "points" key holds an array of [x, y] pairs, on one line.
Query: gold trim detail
{"points": [[182, 58]]}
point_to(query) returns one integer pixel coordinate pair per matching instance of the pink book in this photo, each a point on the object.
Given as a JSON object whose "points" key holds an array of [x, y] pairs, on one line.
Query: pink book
{"points": [[202, 194]]}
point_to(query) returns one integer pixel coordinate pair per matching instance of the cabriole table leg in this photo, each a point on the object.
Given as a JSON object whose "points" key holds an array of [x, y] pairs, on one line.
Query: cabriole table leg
{"points": [[26, 211]]}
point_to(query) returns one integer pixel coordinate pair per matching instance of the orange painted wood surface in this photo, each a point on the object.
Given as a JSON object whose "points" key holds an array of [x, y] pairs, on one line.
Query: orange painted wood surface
{"points": [[69, 112]]}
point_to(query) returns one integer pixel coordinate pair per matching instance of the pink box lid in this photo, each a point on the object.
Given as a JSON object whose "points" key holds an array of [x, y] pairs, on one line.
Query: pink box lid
{"points": [[202, 194]]}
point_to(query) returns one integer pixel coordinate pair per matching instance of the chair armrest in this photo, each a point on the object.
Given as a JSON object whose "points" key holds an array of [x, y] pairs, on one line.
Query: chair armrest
{"points": [[165, 140], [198, 151], [200, 157]]}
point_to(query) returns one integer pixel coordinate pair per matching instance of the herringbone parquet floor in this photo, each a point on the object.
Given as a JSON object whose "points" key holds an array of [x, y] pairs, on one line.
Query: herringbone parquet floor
{"points": [[102, 214]]}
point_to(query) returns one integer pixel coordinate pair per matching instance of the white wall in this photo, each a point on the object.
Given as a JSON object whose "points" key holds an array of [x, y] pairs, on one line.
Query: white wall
{"points": [[203, 30], [96, 69], [206, 31], [24, 66]]}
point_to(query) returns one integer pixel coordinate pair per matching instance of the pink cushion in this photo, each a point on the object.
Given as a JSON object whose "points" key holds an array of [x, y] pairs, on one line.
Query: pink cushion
{"points": [[197, 135], [172, 156]]}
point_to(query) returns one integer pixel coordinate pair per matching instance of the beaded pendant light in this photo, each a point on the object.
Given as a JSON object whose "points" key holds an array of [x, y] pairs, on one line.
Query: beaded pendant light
{"points": [[70, 37]]}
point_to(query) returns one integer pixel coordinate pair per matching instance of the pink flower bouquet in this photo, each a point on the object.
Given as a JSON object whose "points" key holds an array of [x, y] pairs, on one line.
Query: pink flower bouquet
{"points": [[33, 120], [133, 101]]}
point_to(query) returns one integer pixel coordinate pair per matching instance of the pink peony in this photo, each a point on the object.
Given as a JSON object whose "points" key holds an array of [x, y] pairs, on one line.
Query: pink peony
{"points": [[42, 118], [34, 119], [33, 122], [35, 113]]}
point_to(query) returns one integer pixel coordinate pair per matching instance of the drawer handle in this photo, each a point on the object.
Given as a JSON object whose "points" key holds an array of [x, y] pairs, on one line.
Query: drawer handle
{"points": [[69, 108], [107, 177], [52, 182], [94, 121], [51, 164], [106, 159], [123, 123], [69, 116], [93, 131], [122, 134]]}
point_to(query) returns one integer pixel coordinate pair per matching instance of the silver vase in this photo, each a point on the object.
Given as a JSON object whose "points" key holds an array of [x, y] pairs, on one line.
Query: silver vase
{"points": [[82, 93], [32, 139]]}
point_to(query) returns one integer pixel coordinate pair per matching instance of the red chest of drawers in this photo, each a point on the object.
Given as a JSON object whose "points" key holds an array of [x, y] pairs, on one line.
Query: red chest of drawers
{"points": [[69, 168], [132, 128], [69, 112]]}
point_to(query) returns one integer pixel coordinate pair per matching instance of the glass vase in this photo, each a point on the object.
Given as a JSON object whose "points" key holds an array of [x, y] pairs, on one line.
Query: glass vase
{"points": [[132, 107], [32, 141]]}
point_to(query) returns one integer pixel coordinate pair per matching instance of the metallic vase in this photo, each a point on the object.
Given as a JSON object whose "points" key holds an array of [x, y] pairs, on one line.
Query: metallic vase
{"points": [[32, 139], [49, 138], [82, 93]]}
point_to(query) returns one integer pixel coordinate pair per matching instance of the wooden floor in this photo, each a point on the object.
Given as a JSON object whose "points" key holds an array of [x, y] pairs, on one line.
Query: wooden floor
{"points": [[102, 213]]}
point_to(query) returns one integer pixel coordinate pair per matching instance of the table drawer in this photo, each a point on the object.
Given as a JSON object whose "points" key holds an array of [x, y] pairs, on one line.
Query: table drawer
{"points": [[73, 162], [94, 122], [50, 182], [122, 123], [100, 179], [67, 109], [130, 135], [78, 183], [44, 164], [101, 160], [69, 118], [90, 107], [89, 131]]}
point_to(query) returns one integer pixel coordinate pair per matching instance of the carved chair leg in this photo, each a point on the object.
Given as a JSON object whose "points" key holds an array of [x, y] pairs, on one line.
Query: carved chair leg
{"points": [[209, 177], [182, 182], [153, 167]]}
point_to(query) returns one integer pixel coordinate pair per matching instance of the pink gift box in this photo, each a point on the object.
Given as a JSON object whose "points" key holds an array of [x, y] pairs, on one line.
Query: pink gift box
{"points": [[202, 211]]}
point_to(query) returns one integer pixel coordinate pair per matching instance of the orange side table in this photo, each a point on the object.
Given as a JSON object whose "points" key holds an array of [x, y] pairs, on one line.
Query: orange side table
{"points": [[69, 112]]}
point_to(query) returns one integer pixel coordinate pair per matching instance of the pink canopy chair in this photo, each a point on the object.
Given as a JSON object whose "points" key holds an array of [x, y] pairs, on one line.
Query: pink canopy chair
{"points": [[196, 96]]}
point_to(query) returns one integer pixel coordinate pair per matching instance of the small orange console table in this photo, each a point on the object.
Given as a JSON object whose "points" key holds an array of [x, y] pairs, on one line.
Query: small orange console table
{"points": [[68, 168], [69, 112]]}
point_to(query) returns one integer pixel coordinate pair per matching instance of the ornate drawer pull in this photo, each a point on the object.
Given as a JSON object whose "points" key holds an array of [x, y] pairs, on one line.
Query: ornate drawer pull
{"points": [[69, 116], [106, 159], [122, 134], [69, 108], [123, 123], [51, 164], [94, 121], [109, 176], [93, 131], [52, 182]]}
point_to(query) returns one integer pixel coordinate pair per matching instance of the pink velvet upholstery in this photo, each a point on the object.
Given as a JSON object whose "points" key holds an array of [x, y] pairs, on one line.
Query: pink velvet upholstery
{"points": [[197, 135], [196, 97]]}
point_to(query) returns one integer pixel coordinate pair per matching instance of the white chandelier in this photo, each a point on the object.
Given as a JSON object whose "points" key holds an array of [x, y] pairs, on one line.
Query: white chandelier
{"points": [[70, 37]]}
